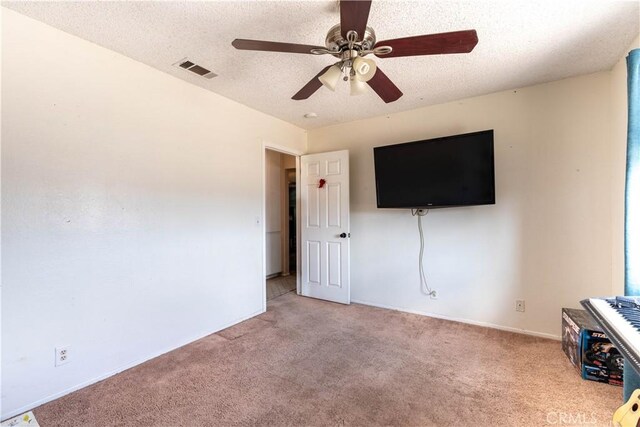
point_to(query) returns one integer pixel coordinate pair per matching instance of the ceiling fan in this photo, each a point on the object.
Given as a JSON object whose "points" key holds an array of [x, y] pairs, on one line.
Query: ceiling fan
{"points": [[351, 40]]}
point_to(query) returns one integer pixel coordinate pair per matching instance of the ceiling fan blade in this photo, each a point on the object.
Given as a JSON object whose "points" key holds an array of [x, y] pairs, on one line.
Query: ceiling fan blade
{"points": [[310, 88], [384, 87], [431, 44], [353, 16], [244, 44]]}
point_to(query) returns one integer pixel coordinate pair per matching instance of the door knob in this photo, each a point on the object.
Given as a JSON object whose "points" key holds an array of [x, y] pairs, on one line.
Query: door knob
{"points": [[344, 235]]}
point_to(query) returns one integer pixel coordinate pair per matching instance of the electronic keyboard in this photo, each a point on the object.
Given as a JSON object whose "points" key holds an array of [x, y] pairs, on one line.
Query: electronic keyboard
{"points": [[619, 317]]}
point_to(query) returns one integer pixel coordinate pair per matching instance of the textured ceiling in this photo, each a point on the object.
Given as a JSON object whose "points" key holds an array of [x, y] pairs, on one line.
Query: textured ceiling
{"points": [[520, 43]]}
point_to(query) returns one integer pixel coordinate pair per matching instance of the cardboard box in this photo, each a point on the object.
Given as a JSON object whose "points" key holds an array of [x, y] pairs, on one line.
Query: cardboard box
{"points": [[588, 349]]}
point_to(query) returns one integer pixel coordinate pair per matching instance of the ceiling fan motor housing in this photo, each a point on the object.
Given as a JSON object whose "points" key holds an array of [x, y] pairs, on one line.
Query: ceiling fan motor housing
{"points": [[336, 43]]}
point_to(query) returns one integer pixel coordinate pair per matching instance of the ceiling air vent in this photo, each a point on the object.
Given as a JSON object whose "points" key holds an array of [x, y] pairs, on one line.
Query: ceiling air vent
{"points": [[195, 68]]}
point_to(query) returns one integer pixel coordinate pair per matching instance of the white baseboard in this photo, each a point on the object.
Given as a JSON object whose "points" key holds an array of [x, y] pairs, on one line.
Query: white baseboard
{"points": [[467, 321], [124, 367]]}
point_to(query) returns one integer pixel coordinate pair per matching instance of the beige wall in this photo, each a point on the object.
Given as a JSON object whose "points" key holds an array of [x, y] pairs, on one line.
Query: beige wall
{"points": [[618, 145], [288, 162], [548, 240], [131, 205]]}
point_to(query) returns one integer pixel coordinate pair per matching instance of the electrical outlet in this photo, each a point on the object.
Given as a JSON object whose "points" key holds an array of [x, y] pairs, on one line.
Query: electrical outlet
{"points": [[62, 355], [434, 294], [520, 305]]}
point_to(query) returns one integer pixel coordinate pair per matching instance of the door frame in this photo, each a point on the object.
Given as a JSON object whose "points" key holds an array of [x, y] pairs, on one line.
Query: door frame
{"points": [[267, 145]]}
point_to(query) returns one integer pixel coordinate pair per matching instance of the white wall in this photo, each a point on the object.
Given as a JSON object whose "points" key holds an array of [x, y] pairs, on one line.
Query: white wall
{"points": [[618, 144], [129, 202], [548, 238]]}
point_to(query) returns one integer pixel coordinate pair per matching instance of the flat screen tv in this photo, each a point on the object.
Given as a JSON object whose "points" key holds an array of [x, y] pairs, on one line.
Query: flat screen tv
{"points": [[442, 172]]}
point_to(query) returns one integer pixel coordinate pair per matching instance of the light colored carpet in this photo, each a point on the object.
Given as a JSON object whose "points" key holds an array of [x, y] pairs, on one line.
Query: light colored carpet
{"points": [[280, 285], [308, 362]]}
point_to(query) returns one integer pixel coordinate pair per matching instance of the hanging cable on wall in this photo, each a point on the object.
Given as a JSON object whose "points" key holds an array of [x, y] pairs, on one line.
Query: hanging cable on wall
{"points": [[424, 286]]}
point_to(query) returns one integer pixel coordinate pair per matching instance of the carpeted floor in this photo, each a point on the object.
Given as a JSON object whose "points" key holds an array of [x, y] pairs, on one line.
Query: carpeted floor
{"points": [[308, 362]]}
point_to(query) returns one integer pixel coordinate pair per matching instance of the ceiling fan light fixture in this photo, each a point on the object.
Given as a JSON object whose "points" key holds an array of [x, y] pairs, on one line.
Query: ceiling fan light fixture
{"points": [[364, 68], [358, 87], [331, 77]]}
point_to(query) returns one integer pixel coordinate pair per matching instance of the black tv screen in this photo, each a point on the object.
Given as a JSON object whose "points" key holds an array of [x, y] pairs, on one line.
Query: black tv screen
{"points": [[450, 171]]}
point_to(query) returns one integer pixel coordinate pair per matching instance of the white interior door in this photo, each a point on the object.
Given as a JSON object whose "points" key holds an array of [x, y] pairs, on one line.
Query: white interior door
{"points": [[325, 226]]}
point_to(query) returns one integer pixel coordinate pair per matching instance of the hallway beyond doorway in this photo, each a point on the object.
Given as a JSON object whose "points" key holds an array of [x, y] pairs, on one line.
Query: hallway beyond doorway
{"points": [[280, 285]]}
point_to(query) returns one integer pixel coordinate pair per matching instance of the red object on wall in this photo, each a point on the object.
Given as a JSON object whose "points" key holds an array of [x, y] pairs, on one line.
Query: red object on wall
{"points": [[322, 182]]}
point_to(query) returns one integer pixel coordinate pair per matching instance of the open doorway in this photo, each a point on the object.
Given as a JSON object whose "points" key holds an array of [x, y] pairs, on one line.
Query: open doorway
{"points": [[281, 261]]}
